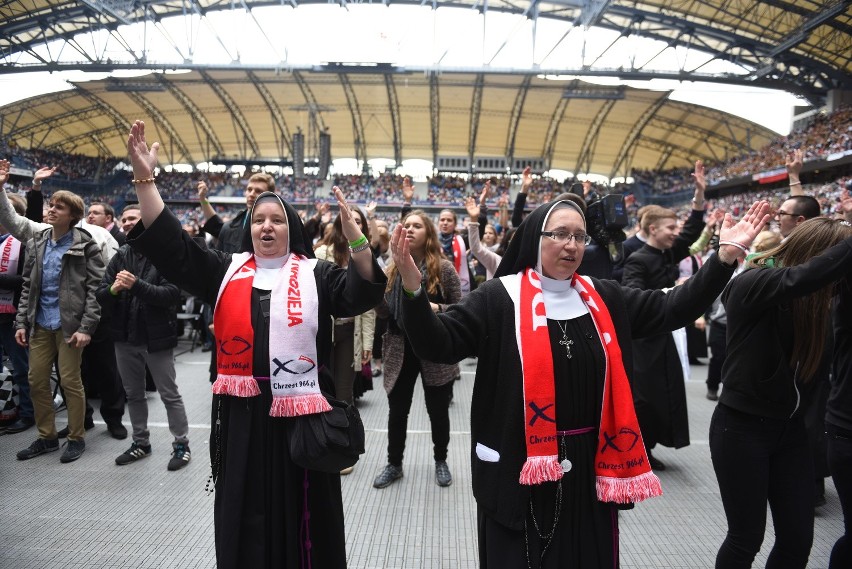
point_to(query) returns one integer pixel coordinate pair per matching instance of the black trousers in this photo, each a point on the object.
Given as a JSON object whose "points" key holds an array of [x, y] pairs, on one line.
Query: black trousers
{"points": [[100, 375], [758, 459], [399, 401], [718, 352], [840, 465]]}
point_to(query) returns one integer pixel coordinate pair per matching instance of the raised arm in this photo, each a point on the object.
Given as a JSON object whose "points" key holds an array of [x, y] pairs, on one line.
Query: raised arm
{"points": [[445, 339], [207, 210], [144, 159], [20, 227], [362, 256], [407, 197], [489, 259], [700, 185], [652, 312], [794, 163], [521, 198]]}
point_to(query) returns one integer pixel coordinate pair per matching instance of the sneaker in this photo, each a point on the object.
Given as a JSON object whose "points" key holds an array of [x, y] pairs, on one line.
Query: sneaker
{"points": [[73, 451], [89, 424], [117, 430], [347, 470], [442, 473], [656, 463], [713, 394], [19, 426], [134, 453], [388, 476], [180, 456], [40, 446]]}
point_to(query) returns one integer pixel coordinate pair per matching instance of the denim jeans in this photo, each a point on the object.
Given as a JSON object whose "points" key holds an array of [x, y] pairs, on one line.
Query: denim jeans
{"points": [[20, 360], [760, 459], [840, 466]]}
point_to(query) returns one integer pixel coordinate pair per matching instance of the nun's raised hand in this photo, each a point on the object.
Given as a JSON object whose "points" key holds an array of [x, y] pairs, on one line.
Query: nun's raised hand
{"points": [[347, 220], [736, 238], [142, 158], [403, 260]]}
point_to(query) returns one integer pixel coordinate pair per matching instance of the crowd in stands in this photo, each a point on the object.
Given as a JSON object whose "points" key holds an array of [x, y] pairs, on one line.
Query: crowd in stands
{"points": [[826, 135], [73, 166]]}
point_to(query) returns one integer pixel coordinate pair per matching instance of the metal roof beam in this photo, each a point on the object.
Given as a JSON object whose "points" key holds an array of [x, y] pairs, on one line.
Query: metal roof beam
{"points": [[357, 122], [475, 110], [393, 105], [277, 115], [68, 144], [237, 115], [587, 151], [515, 119], [54, 120], [434, 114], [549, 147], [162, 120], [704, 133], [667, 148], [634, 134], [198, 118], [119, 122], [803, 32]]}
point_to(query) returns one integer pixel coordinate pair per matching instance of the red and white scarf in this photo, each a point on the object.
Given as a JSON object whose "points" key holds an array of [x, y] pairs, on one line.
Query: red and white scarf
{"points": [[621, 464], [460, 263], [10, 254], [293, 324]]}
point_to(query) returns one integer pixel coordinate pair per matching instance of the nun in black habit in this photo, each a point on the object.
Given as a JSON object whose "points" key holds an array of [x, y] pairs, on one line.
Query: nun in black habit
{"points": [[272, 318], [555, 446]]}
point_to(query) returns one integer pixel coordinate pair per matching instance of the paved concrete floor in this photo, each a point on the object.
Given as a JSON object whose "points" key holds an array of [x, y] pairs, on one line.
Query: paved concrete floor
{"points": [[93, 514]]}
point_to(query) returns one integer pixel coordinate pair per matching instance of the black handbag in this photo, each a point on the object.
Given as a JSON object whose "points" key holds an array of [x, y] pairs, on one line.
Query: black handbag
{"points": [[330, 441]]}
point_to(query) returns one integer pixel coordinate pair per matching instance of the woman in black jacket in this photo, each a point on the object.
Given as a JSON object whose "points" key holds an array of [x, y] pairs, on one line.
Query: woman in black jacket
{"points": [[555, 442], [777, 321]]}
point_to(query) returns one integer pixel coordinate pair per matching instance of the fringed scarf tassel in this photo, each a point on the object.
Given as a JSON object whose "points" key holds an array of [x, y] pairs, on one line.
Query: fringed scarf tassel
{"points": [[628, 490], [538, 469], [236, 385], [293, 406]]}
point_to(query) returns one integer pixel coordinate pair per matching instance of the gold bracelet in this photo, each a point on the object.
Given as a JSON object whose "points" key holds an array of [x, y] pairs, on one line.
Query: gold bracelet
{"points": [[143, 181]]}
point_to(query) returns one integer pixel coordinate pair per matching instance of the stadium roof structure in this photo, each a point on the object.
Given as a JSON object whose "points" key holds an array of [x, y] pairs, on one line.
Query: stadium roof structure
{"points": [[241, 111], [230, 115]]}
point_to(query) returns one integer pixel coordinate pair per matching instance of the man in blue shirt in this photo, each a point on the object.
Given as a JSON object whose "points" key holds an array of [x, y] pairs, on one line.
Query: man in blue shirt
{"points": [[58, 326]]}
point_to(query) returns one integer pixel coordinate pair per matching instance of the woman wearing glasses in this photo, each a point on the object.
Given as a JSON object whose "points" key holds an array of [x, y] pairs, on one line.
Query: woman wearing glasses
{"points": [[556, 447], [778, 315]]}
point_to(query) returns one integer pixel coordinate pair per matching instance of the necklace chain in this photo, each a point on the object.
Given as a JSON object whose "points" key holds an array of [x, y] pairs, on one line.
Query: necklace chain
{"points": [[565, 341]]}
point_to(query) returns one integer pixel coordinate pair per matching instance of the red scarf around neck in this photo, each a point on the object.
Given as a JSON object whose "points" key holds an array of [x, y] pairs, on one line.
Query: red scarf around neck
{"points": [[293, 324], [621, 463]]}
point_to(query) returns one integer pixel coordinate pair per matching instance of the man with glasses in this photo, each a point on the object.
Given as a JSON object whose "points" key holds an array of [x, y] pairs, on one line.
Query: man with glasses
{"points": [[794, 211]]}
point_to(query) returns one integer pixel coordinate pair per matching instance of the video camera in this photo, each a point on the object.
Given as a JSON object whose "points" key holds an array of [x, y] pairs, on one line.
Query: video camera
{"points": [[606, 219]]}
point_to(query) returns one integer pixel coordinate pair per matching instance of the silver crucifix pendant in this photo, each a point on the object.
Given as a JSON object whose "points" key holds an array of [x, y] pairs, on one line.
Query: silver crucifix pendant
{"points": [[567, 343]]}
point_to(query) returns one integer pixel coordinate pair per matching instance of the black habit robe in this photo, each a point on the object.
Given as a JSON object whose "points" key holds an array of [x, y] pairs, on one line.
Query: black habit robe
{"points": [[659, 393], [261, 501]]}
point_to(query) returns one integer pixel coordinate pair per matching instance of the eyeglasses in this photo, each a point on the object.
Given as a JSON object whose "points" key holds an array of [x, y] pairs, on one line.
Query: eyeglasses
{"points": [[780, 212], [564, 236]]}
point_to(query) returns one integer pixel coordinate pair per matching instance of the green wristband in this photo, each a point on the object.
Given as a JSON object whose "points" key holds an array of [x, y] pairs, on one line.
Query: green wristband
{"points": [[358, 242], [410, 293]]}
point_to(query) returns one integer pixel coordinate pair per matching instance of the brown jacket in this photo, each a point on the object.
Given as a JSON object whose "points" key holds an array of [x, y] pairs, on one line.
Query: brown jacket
{"points": [[393, 347]]}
